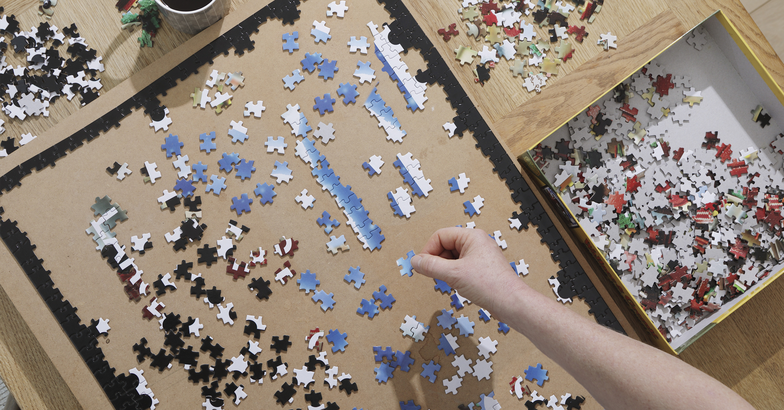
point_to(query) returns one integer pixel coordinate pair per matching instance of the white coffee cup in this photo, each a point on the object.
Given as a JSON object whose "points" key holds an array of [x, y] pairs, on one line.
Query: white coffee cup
{"points": [[192, 22]]}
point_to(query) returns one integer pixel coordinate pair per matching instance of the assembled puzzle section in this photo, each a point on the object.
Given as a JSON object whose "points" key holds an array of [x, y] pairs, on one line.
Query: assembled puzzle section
{"points": [[235, 242], [675, 176]]}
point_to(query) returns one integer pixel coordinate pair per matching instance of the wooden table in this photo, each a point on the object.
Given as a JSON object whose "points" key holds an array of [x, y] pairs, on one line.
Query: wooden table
{"points": [[745, 352]]}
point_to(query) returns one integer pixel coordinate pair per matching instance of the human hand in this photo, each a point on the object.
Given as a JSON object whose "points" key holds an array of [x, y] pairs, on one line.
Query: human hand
{"points": [[471, 263]]}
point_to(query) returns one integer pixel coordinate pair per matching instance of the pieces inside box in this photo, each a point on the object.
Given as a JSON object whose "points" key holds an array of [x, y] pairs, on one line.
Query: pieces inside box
{"points": [[676, 176]]}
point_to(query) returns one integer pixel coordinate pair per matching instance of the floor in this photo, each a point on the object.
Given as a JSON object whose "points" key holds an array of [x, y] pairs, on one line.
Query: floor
{"points": [[768, 14]]}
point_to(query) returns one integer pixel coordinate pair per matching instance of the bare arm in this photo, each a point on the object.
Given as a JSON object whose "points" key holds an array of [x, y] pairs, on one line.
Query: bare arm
{"points": [[619, 372]]}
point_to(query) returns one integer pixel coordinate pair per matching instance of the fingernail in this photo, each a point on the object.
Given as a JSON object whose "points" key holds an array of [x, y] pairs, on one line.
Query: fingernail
{"points": [[415, 261]]}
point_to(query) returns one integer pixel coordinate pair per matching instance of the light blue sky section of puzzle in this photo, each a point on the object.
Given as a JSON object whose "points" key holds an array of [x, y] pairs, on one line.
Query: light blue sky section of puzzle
{"points": [[358, 218], [378, 107], [412, 105]]}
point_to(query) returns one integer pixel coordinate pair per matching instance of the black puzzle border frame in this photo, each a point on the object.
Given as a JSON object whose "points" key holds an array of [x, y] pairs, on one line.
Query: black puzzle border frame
{"points": [[121, 388]]}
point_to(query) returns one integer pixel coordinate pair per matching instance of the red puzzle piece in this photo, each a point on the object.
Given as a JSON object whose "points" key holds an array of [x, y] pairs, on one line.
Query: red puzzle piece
{"points": [[237, 269], [632, 185], [711, 140], [490, 19], [617, 200], [579, 33], [486, 8], [512, 32], [447, 34], [592, 112], [589, 9], [629, 113], [663, 85], [724, 152]]}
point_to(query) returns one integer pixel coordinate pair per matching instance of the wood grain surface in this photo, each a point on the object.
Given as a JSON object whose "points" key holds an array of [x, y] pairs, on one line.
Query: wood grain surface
{"points": [[745, 351], [26, 370]]}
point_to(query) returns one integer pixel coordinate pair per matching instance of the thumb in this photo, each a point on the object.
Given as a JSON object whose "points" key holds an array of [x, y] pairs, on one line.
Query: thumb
{"points": [[432, 266]]}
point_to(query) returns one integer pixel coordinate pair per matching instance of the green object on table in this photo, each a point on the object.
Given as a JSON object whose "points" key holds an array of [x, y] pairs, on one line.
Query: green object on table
{"points": [[145, 39], [128, 18], [148, 17]]}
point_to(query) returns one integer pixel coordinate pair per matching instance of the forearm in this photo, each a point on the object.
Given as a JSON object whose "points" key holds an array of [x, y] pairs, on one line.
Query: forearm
{"points": [[619, 372]]}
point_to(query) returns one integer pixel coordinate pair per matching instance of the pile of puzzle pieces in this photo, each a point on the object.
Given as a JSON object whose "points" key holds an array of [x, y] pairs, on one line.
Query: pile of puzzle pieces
{"points": [[509, 29], [28, 90], [687, 230]]}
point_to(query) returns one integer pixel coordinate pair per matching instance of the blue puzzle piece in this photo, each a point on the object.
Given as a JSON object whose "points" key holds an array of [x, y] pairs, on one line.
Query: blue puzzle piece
{"points": [[338, 340], [481, 402], [367, 306], [442, 286], [384, 372], [290, 45], [281, 172], [409, 406], [381, 296], [444, 345], [348, 92], [395, 207], [405, 264], [217, 185], [244, 169], [198, 172], [291, 81], [357, 45], [325, 176], [304, 128], [355, 276], [484, 315], [310, 153], [324, 105], [327, 302], [329, 224], [227, 162], [307, 281], [207, 142], [453, 186], [364, 70], [172, 145], [403, 360], [238, 136], [446, 320], [429, 370], [536, 374], [241, 205], [185, 186], [503, 327], [311, 61], [320, 35], [327, 69], [456, 302], [266, 192], [382, 354], [465, 326], [343, 193], [469, 208], [372, 171]]}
